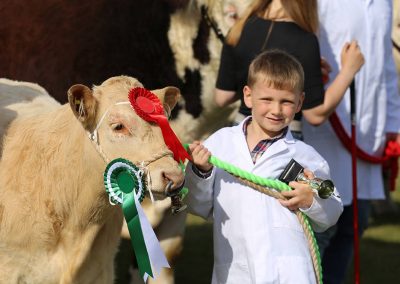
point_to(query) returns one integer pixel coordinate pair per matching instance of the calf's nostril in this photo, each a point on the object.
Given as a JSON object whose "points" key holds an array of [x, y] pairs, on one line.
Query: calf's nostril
{"points": [[171, 191], [168, 188]]}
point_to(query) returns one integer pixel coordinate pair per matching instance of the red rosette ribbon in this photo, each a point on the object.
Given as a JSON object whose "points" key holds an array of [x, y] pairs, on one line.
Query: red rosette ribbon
{"points": [[392, 149], [148, 107], [392, 153]]}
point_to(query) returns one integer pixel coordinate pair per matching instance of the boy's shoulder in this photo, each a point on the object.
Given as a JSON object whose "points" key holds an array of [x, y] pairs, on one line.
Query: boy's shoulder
{"points": [[309, 158], [306, 149]]}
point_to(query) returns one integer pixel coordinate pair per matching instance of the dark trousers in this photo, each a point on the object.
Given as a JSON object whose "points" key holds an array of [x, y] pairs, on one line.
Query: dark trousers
{"points": [[337, 243]]}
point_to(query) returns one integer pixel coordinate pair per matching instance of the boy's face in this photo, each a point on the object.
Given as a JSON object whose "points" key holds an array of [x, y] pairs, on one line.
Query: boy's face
{"points": [[272, 109]]}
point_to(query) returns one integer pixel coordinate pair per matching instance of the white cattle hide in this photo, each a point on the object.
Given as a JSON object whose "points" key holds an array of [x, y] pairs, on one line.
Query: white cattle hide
{"points": [[56, 222], [184, 27]]}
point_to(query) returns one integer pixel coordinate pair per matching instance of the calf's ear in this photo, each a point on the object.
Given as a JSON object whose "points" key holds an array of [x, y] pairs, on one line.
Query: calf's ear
{"points": [[169, 96], [82, 104]]}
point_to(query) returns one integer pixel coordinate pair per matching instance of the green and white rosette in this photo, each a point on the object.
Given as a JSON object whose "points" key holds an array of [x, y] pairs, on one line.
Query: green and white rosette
{"points": [[125, 185]]}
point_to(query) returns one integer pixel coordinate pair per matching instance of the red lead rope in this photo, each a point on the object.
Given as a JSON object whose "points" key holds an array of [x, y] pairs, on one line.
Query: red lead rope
{"points": [[389, 159], [391, 154], [355, 204]]}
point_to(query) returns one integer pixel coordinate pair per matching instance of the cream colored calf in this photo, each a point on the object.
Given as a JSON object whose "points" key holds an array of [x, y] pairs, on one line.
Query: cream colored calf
{"points": [[56, 223]]}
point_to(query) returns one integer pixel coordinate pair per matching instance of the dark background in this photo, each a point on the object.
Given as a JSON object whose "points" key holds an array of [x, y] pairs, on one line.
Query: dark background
{"points": [[59, 43]]}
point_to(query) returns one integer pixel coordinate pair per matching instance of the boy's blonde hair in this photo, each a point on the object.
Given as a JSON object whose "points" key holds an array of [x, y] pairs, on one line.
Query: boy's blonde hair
{"points": [[278, 69]]}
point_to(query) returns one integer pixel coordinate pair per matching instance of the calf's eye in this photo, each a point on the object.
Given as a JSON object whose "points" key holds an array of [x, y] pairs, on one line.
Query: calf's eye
{"points": [[118, 127]]}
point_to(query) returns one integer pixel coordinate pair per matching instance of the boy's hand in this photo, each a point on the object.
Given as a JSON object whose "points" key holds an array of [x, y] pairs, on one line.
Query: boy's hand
{"points": [[301, 196], [200, 155]]}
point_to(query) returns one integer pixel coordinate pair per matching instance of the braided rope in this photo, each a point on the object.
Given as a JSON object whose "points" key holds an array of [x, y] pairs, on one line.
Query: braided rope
{"points": [[266, 186], [156, 157], [143, 164], [100, 151]]}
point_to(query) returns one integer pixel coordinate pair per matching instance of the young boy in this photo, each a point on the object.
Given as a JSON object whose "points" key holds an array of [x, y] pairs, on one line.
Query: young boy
{"points": [[257, 238]]}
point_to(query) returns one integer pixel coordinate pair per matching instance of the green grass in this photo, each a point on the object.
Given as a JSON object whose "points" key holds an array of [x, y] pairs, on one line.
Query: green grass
{"points": [[379, 251], [195, 264]]}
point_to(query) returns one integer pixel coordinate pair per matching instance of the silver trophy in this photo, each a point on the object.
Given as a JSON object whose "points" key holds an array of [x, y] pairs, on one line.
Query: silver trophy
{"points": [[295, 172]]}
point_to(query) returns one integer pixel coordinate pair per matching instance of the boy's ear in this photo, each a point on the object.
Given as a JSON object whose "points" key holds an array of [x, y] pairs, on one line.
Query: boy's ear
{"points": [[247, 96], [301, 99]]}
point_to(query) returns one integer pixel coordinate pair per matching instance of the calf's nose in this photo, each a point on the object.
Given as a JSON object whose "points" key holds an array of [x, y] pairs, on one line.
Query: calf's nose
{"points": [[174, 182], [173, 190]]}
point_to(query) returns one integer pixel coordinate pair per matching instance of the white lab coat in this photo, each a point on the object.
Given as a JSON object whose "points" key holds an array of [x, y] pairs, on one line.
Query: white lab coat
{"points": [[377, 96], [257, 240]]}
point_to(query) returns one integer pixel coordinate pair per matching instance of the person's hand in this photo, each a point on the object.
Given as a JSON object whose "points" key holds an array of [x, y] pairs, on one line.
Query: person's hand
{"points": [[301, 196], [351, 58], [200, 155], [325, 70]]}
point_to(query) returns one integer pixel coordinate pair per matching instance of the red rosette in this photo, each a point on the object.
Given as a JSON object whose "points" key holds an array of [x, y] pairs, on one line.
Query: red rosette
{"points": [[145, 103], [392, 153], [392, 149], [148, 107]]}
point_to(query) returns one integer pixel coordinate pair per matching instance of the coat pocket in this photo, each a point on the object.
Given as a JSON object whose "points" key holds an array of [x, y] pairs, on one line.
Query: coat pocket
{"points": [[295, 269], [231, 273], [284, 218]]}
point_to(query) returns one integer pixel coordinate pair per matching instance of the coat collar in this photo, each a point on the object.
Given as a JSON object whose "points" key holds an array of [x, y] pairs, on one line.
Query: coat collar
{"points": [[244, 152]]}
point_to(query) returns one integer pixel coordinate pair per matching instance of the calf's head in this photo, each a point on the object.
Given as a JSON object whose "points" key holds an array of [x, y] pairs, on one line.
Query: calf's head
{"points": [[117, 131]]}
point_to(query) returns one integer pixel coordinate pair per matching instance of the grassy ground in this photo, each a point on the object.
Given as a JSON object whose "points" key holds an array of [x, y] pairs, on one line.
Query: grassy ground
{"points": [[380, 248], [379, 251]]}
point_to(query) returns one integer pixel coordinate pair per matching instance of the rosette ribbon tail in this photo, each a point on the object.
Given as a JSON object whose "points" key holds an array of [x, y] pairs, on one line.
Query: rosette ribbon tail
{"points": [[171, 140], [148, 252], [124, 184]]}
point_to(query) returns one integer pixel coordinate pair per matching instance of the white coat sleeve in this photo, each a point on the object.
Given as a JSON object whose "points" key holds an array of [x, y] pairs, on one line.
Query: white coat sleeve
{"points": [[200, 196], [324, 213], [393, 96]]}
